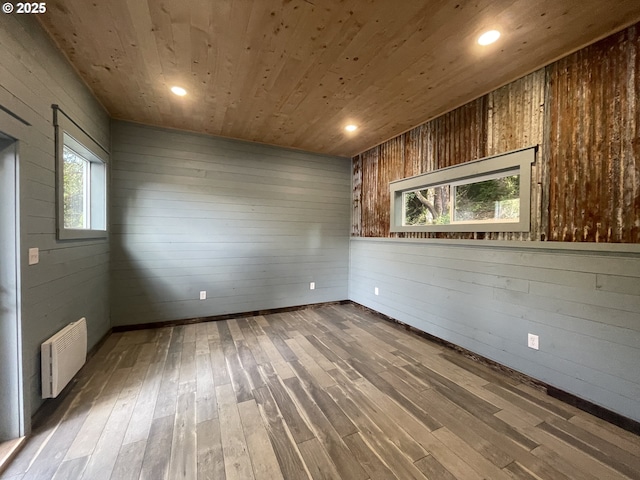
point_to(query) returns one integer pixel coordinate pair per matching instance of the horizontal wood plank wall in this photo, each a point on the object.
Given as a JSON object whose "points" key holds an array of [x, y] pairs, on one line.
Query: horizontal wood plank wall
{"points": [[251, 225], [594, 142], [583, 305], [581, 110], [72, 279]]}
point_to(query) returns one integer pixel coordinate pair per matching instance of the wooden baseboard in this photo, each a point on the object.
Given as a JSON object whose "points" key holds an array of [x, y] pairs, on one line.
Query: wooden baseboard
{"points": [[214, 318], [596, 410], [614, 418]]}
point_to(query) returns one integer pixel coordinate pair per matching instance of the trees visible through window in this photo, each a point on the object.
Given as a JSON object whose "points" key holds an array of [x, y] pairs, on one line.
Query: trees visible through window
{"points": [[76, 190], [492, 199], [84, 189], [81, 170], [485, 195], [430, 206]]}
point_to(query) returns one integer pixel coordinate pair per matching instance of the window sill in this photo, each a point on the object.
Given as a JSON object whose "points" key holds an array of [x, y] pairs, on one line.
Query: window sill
{"points": [[70, 234]]}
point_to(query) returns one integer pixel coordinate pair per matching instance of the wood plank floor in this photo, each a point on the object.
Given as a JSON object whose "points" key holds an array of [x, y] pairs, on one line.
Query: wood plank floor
{"points": [[327, 393]]}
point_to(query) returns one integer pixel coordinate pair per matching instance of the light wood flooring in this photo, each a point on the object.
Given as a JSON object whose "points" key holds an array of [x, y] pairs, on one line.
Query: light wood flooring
{"points": [[327, 393]]}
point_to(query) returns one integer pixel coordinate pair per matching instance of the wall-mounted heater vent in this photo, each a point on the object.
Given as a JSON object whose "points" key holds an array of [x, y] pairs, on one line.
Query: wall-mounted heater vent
{"points": [[62, 356]]}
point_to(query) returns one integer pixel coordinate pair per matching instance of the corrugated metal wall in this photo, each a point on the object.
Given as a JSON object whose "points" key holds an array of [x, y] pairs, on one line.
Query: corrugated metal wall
{"points": [[594, 149], [581, 110]]}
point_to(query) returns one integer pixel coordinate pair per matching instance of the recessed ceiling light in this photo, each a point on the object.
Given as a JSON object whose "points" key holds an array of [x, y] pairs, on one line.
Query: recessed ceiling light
{"points": [[181, 92], [489, 37], [351, 128]]}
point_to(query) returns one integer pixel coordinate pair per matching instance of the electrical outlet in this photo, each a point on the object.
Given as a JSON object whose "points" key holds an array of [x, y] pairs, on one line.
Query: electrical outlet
{"points": [[376, 291], [532, 341], [203, 295], [34, 256], [312, 286]]}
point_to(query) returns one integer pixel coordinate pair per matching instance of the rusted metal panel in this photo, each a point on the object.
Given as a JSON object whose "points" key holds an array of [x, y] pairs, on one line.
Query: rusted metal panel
{"points": [[391, 167], [414, 152], [356, 195], [369, 192], [456, 137], [516, 120], [516, 114], [582, 110], [594, 149], [416, 147]]}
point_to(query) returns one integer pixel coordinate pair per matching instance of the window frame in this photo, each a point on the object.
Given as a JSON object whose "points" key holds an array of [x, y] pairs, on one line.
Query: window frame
{"points": [[68, 134], [518, 161]]}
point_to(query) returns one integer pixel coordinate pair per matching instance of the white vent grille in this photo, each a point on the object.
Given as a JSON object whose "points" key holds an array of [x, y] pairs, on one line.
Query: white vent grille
{"points": [[62, 356]]}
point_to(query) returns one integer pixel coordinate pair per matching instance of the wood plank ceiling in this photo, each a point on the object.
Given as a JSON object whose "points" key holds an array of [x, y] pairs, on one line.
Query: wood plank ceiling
{"points": [[294, 72]]}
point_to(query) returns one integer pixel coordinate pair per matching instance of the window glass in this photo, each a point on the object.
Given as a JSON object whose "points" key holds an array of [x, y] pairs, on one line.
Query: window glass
{"points": [[81, 176], [490, 194], [493, 199], [429, 206], [76, 190]]}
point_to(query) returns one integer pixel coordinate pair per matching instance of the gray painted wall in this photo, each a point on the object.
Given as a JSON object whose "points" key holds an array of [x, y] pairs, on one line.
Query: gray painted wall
{"points": [[250, 224], [71, 279], [584, 305]]}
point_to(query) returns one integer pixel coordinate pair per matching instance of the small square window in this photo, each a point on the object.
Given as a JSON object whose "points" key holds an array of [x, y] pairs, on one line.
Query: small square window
{"points": [[82, 184]]}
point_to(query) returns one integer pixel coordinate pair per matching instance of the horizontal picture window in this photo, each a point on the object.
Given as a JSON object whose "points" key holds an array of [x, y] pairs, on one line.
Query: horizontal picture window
{"points": [[491, 194]]}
